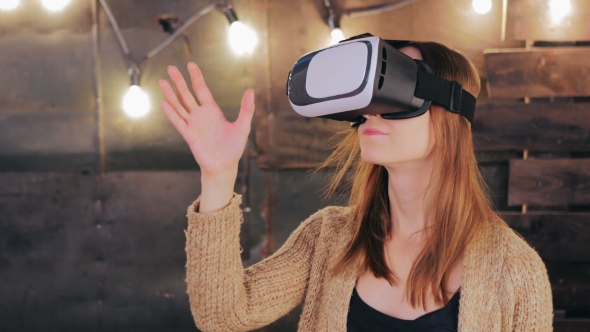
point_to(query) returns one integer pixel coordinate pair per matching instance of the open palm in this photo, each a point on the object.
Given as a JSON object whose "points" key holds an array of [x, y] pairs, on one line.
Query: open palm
{"points": [[216, 143]]}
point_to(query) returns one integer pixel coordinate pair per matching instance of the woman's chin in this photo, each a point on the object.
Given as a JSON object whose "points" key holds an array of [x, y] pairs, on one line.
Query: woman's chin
{"points": [[373, 158]]}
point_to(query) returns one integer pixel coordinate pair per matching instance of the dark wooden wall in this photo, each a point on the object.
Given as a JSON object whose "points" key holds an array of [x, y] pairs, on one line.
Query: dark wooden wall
{"points": [[82, 249]]}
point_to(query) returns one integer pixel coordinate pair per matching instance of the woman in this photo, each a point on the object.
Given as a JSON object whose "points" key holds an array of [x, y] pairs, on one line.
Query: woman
{"points": [[418, 238]]}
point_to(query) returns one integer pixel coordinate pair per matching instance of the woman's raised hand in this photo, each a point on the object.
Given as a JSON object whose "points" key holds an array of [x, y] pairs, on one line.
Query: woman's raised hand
{"points": [[216, 143]]}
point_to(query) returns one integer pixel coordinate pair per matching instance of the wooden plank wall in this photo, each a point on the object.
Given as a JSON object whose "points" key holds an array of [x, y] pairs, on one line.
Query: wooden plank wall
{"points": [[538, 72], [82, 250], [532, 107], [94, 254], [552, 181]]}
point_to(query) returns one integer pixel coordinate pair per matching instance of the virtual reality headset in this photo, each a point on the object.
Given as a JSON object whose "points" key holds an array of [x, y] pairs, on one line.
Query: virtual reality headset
{"points": [[368, 75]]}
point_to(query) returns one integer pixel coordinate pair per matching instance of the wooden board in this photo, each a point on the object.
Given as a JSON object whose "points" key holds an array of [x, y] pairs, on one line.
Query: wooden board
{"points": [[571, 325], [534, 20], [49, 252], [142, 245], [538, 72], [571, 285], [549, 182], [555, 235], [548, 127]]}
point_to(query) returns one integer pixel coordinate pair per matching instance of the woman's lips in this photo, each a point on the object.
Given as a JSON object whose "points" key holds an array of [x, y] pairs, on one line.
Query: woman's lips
{"points": [[372, 132]]}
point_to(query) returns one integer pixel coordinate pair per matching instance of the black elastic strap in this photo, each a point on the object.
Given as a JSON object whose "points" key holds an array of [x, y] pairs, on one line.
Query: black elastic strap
{"points": [[448, 94]]}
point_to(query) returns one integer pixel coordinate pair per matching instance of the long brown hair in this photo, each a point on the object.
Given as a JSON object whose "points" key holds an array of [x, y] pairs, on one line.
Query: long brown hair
{"points": [[454, 211]]}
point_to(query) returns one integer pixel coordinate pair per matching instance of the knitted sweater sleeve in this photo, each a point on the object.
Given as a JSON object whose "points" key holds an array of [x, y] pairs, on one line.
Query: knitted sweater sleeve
{"points": [[533, 309], [226, 297]]}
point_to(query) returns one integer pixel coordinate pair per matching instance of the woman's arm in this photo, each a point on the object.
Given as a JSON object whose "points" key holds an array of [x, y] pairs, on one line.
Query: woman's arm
{"points": [[226, 297]]}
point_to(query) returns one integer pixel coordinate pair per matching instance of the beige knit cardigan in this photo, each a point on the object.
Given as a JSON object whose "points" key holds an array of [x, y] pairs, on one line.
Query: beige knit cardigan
{"points": [[505, 286]]}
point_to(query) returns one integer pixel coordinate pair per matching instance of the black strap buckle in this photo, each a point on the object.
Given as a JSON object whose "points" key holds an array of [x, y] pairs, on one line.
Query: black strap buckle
{"points": [[456, 96]]}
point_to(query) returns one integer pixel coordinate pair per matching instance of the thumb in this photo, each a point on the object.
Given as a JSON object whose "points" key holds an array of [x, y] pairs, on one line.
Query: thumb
{"points": [[246, 111]]}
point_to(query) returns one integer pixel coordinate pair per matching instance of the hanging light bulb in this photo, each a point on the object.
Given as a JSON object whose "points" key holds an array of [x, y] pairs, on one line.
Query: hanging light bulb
{"points": [[9, 4], [336, 33], [481, 6], [242, 39], [559, 9], [337, 36], [55, 5], [136, 102]]}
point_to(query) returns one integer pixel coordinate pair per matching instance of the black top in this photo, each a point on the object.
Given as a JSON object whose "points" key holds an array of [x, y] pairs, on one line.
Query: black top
{"points": [[362, 317]]}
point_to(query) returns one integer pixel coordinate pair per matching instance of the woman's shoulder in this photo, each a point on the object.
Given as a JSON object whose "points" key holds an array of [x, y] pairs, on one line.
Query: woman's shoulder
{"points": [[334, 213], [520, 260], [330, 218], [517, 247]]}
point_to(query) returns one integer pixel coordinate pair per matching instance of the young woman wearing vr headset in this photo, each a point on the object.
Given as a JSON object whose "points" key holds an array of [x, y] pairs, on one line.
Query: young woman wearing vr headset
{"points": [[418, 248]]}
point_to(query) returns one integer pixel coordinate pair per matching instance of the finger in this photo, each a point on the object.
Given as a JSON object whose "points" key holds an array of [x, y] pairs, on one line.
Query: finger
{"points": [[178, 122], [244, 120], [184, 93], [172, 99], [201, 90]]}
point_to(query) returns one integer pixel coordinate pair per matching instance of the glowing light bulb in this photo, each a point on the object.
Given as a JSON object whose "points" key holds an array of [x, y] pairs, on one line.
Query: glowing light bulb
{"points": [[9, 4], [55, 5], [242, 39], [136, 102], [337, 36], [482, 6], [559, 9]]}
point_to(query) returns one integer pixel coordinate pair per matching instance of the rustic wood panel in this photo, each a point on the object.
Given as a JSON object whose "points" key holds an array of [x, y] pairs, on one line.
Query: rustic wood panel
{"points": [[571, 325], [47, 141], [556, 236], [495, 175], [50, 252], [538, 72], [570, 283], [534, 20], [549, 182], [548, 127], [143, 249]]}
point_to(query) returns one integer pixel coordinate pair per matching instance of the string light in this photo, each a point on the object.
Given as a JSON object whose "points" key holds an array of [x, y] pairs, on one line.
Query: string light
{"points": [[481, 6], [335, 32], [55, 5], [136, 102], [559, 9], [9, 4], [337, 36], [242, 39]]}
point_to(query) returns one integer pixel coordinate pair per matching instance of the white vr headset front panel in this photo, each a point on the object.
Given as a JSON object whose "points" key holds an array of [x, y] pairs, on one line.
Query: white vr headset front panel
{"points": [[337, 70], [361, 100]]}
